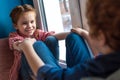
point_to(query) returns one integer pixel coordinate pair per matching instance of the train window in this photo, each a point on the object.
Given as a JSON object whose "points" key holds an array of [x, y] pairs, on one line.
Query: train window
{"points": [[65, 14], [78, 11], [54, 16], [61, 15], [83, 12], [66, 22]]}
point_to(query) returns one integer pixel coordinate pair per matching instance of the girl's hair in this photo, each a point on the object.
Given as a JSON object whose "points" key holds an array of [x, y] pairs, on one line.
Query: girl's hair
{"points": [[104, 15], [19, 10]]}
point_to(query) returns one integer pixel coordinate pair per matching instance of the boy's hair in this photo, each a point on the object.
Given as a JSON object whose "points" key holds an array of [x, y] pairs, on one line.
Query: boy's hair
{"points": [[104, 15], [17, 11]]}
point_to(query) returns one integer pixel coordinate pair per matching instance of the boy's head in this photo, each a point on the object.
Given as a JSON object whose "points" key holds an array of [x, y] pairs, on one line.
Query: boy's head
{"points": [[24, 19], [104, 17]]}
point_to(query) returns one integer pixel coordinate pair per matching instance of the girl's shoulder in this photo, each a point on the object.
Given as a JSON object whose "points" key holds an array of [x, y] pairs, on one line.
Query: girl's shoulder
{"points": [[13, 34]]}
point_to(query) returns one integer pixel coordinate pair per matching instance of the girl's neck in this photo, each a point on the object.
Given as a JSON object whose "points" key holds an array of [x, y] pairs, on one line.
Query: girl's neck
{"points": [[24, 35]]}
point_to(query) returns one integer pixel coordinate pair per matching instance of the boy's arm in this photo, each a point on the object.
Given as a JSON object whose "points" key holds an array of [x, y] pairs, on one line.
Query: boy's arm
{"points": [[33, 59]]}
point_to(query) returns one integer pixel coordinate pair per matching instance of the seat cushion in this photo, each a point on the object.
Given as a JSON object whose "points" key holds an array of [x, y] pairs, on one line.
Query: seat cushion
{"points": [[6, 59]]}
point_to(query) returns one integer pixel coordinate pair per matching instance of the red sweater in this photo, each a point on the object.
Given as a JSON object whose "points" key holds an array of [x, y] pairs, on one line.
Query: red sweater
{"points": [[16, 36]]}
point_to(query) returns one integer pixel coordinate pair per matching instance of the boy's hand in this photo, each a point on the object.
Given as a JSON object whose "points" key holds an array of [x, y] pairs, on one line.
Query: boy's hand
{"points": [[18, 45], [29, 41]]}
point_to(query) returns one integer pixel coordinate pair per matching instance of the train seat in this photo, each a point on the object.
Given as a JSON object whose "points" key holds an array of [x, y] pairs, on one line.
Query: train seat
{"points": [[6, 59]]}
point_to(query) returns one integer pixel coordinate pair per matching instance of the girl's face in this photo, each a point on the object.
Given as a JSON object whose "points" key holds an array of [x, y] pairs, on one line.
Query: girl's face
{"points": [[26, 24]]}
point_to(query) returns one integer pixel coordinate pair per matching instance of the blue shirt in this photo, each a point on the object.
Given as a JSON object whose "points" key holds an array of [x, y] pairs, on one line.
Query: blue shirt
{"points": [[101, 66]]}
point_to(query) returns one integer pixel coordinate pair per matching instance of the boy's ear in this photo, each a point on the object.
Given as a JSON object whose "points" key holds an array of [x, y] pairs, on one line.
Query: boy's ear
{"points": [[101, 38], [15, 26]]}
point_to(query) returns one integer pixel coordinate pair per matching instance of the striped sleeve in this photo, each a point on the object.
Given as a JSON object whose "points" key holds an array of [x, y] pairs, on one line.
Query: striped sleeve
{"points": [[13, 37], [41, 35]]}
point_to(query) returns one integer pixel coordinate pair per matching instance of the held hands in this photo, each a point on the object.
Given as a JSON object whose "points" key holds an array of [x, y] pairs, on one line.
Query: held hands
{"points": [[20, 45], [16, 45]]}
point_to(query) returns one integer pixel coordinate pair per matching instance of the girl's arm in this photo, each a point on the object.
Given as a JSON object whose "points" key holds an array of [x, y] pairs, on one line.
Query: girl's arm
{"points": [[61, 36], [41, 35]]}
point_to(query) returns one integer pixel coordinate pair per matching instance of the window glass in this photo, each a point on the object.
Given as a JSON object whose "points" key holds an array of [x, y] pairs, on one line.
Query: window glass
{"points": [[83, 14], [58, 19], [62, 15], [65, 14]]}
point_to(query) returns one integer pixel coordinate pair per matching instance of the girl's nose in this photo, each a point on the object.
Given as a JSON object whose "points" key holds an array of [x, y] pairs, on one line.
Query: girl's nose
{"points": [[29, 24]]}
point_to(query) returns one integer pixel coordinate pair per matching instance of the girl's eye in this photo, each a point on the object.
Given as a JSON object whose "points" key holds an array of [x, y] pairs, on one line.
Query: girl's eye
{"points": [[32, 21], [24, 23]]}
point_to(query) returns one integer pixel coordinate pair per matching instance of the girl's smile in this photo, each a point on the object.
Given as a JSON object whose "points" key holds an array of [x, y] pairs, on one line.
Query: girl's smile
{"points": [[26, 24]]}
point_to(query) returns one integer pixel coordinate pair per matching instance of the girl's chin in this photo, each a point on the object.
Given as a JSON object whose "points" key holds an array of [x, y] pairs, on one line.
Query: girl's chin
{"points": [[29, 35]]}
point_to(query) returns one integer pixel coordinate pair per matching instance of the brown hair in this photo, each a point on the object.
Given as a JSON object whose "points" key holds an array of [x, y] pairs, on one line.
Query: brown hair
{"points": [[104, 15], [19, 10]]}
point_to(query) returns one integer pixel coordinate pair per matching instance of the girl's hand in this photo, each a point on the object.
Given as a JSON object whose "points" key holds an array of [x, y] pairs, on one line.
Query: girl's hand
{"points": [[16, 45], [27, 42], [20, 45], [84, 33]]}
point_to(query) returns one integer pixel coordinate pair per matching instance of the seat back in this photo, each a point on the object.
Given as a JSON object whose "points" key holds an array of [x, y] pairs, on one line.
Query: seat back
{"points": [[6, 59], [5, 8], [6, 55]]}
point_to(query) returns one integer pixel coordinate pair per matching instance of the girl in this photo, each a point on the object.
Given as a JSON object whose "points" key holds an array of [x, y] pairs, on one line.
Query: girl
{"points": [[24, 21]]}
